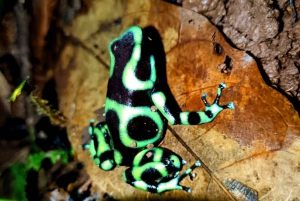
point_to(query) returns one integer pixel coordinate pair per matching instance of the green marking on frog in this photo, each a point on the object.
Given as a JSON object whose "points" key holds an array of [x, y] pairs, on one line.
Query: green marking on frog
{"points": [[132, 125]]}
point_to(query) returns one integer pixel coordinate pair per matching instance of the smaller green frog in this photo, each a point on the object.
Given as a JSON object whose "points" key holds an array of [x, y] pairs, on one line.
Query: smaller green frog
{"points": [[137, 113]]}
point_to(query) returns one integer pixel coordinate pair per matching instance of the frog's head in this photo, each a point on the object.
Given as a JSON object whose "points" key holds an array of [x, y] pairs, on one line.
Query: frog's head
{"points": [[125, 50]]}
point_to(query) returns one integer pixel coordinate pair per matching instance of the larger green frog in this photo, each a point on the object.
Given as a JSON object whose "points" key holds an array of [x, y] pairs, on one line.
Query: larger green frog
{"points": [[137, 113]]}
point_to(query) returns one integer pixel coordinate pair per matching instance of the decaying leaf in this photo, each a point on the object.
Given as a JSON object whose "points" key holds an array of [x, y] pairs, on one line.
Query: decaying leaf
{"points": [[42, 106], [257, 143]]}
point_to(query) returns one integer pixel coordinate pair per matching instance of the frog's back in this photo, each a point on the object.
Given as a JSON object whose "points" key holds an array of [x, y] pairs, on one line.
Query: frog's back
{"points": [[132, 70], [132, 122]]}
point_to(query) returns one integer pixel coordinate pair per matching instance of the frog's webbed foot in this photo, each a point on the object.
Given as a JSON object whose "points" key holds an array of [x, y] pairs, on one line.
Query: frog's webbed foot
{"points": [[212, 110], [216, 101], [173, 183]]}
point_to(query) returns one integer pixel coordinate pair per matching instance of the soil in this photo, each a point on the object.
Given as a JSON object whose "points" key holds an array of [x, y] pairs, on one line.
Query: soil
{"points": [[266, 29]]}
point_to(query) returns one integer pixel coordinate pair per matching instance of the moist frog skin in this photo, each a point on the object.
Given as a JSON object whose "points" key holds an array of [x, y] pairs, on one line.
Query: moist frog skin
{"points": [[137, 113]]}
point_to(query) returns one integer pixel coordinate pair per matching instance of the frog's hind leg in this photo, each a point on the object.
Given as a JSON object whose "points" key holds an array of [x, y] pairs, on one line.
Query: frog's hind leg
{"points": [[101, 147], [165, 185], [157, 170]]}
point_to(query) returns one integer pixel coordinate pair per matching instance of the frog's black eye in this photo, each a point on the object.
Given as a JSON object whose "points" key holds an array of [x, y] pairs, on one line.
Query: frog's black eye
{"points": [[172, 161]]}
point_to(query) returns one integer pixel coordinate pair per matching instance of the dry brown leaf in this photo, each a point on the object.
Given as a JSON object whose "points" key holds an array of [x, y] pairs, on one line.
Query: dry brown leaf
{"points": [[256, 144], [42, 16]]}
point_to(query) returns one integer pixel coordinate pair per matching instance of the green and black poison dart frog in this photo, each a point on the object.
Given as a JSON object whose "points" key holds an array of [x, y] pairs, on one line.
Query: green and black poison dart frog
{"points": [[137, 113]]}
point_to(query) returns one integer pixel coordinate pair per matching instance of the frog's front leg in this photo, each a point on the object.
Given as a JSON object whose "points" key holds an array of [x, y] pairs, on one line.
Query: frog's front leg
{"points": [[190, 118], [101, 147], [157, 170]]}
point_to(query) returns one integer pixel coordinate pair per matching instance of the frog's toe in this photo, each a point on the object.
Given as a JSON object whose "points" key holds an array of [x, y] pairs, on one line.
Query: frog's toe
{"points": [[203, 97], [230, 105], [188, 190], [222, 85], [189, 170], [192, 176]]}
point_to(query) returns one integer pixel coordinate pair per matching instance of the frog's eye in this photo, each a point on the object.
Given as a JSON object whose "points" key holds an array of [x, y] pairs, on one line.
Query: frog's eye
{"points": [[115, 46]]}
